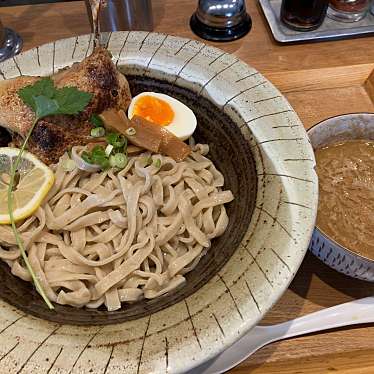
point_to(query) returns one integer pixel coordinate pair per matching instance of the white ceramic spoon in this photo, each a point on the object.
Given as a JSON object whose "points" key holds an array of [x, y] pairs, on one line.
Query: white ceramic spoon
{"points": [[352, 313]]}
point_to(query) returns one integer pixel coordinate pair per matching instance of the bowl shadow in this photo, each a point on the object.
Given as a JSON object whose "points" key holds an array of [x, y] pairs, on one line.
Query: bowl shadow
{"points": [[342, 288]]}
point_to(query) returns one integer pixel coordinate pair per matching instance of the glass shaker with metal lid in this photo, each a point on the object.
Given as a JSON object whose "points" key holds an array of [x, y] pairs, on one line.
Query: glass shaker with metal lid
{"points": [[10, 43], [221, 20], [303, 15]]}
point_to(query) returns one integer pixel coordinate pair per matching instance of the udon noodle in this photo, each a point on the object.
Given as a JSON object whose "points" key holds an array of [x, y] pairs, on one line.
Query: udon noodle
{"points": [[121, 236]]}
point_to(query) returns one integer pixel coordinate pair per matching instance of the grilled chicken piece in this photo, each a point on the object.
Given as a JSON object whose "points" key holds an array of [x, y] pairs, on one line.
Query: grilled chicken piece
{"points": [[97, 74], [14, 114], [53, 135]]}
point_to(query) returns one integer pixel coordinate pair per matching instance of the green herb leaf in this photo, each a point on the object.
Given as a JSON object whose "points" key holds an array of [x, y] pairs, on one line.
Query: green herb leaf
{"points": [[45, 106], [71, 101], [27, 96], [66, 100], [96, 121], [43, 87]]}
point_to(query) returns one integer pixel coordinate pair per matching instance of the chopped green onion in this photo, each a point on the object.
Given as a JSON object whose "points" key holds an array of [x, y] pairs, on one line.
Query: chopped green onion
{"points": [[96, 121], [118, 160], [105, 164], [86, 157], [112, 161], [157, 163], [69, 165], [111, 138], [98, 150], [130, 131], [108, 150], [99, 157], [98, 132], [18, 237], [121, 142], [116, 140], [147, 161]]}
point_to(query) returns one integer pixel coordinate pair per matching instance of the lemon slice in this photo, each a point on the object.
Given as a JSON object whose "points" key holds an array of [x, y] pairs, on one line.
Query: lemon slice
{"points": [[33, 181]]}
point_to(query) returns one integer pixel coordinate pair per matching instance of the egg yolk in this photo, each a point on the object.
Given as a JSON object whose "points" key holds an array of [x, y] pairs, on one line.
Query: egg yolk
{"points": [[154, 110]]}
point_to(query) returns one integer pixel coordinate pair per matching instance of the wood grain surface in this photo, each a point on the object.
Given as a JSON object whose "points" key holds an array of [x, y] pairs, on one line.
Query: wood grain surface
{"points": [[320, 80], [39, 24]]}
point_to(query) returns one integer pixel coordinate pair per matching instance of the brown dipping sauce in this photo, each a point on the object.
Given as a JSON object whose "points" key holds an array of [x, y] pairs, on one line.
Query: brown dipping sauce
{"points": [[346, 194]]}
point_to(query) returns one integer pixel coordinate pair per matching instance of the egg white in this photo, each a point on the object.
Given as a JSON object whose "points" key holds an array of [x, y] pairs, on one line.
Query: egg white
{"points": [[184, 121]]}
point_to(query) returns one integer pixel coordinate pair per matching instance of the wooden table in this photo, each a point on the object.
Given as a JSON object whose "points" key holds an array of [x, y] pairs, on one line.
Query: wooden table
{"points": [[320, 80]]}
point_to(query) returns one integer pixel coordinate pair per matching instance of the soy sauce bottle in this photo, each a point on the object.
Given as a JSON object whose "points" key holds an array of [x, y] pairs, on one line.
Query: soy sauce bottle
{"points": [[303, 15]]}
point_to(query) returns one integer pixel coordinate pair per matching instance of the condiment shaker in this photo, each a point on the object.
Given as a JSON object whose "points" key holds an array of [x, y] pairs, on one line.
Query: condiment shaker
{"points": [[119, 15], [10, 43], [303, 15], [348, 10], [221, 20]]}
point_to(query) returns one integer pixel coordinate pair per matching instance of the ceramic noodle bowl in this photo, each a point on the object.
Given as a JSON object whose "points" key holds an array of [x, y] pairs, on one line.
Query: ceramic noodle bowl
{"points": [[259, 144], [334, 130]]}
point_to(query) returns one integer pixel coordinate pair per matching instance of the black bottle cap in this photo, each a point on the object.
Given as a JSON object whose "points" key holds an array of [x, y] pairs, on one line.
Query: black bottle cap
{"points": [[221, 34]]}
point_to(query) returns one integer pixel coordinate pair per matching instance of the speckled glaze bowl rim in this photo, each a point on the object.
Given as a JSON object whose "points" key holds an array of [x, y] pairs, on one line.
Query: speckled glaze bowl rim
{"points": [[201, 326], [320, 231]]}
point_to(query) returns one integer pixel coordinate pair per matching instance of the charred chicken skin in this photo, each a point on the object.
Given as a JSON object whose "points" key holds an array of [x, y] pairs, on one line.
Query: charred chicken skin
{"points": [[52, 136]]}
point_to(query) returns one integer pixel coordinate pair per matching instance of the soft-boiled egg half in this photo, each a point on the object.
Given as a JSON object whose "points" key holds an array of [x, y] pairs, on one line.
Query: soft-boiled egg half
{"points": [[164, 110]]}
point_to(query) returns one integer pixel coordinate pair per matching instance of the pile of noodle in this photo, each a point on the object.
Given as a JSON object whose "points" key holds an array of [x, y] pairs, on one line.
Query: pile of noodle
{"points": [[121, 235]]}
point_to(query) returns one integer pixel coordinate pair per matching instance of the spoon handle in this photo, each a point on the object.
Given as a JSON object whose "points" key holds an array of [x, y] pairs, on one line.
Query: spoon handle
{"points": [[354, 312], [351, 313]]}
